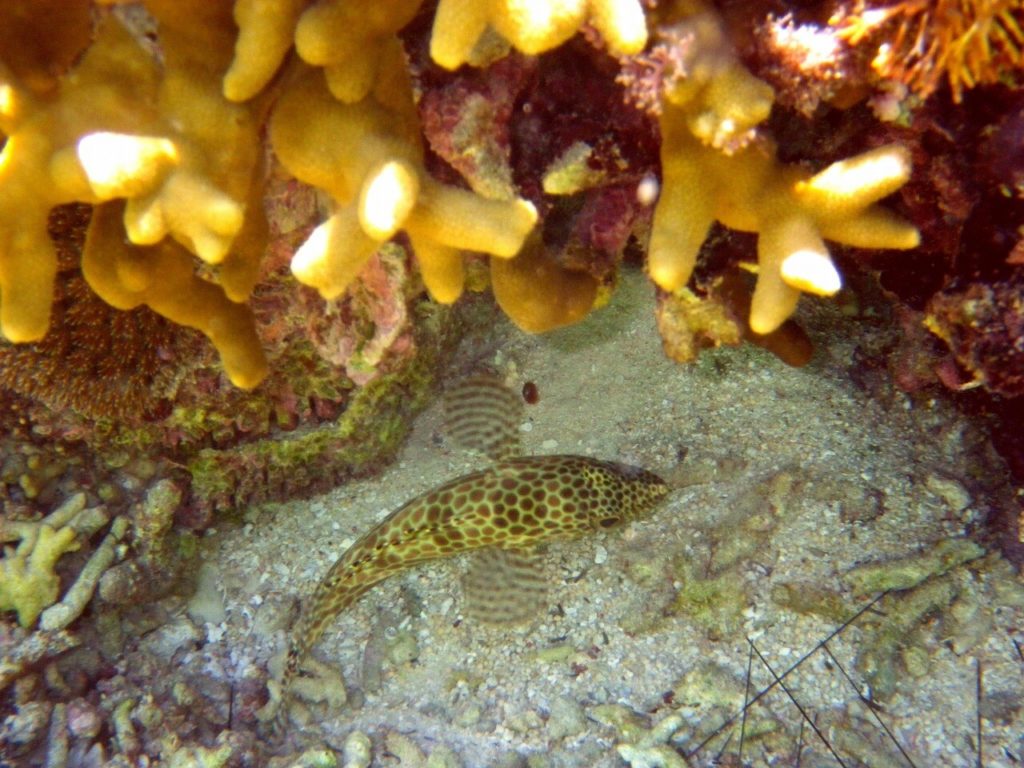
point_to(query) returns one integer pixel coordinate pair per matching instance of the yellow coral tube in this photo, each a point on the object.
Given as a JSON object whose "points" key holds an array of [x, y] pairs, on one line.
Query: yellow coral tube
{"points": [[875, 227], [387, 197], [848, 185], [774, 300], [535, 26], [458, 24], [621, 24], [442, 269], [682, 218], [332, 31], [12, 103], [334, 254], [330, 145], [351, 80], [163, 278], [28, 267], [240, 271], [537, 293], [811, 271], [122, 165], [462, 219], [187, 206], [265, 29]]}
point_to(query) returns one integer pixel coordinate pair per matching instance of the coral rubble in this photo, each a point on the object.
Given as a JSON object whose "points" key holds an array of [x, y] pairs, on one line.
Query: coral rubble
{"points": [[981, 325], [29, 583]]}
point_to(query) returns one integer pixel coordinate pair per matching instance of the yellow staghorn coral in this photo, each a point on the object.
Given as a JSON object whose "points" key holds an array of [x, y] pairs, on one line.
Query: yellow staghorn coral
{"points": [[368, 157], [28, 583], [38, 168], [714, 167], [202, 199], [792, 210], [180, 154], [533, 27], [348, 38], [701, 77], [168, 152], [163, 278], [186, 162]]}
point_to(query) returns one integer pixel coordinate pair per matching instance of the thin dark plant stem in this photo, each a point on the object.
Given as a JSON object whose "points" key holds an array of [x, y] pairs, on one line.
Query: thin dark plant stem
{"points": [[767, 689], [977, 706], [746, 698], [796, 703], [867, 703]]}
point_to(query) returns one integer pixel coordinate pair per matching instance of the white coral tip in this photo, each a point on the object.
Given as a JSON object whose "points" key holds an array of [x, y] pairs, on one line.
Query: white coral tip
{"points": [[812, 272], [122, 165]]}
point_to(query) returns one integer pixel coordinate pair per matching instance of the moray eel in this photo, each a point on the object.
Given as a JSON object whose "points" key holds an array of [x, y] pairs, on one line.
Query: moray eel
{"points": [[514, 504]]}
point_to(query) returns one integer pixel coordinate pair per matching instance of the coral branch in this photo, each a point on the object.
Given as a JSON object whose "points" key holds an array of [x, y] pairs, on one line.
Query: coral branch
{"points": [[367, 155], [61, 615], [533, 27], [162, 277], [28, 583], [713, 170]]}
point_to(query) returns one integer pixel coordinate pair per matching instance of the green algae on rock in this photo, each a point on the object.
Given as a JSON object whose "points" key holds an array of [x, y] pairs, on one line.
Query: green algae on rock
{"points": [[909, 571]]}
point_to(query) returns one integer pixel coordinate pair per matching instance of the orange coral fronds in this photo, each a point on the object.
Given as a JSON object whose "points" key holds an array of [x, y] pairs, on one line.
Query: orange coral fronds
{"points": [[969, 42]]}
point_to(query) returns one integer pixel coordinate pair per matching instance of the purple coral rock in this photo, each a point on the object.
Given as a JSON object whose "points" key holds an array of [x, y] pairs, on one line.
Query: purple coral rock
{"points": [[84, 722], [984, 326], [466, 121]]}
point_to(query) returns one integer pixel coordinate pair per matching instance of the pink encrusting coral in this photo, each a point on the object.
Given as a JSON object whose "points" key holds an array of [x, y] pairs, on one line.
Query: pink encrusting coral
{"points": [[466, 118]]}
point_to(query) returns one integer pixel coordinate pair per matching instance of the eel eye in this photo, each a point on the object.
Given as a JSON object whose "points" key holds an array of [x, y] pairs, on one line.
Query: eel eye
{"points": [[609, 522]]}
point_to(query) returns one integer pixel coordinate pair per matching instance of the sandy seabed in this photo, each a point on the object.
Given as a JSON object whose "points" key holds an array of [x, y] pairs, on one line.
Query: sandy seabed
{"points": [[785, 480]]}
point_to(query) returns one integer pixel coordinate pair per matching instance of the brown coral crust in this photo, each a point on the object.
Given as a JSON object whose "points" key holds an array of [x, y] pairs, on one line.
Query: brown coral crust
{"points": [[983, 325], [96, 360]]}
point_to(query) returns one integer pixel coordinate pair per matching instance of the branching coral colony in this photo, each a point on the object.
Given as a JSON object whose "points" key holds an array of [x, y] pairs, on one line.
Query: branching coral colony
{"points": [[714, 166], [167, 146]]}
